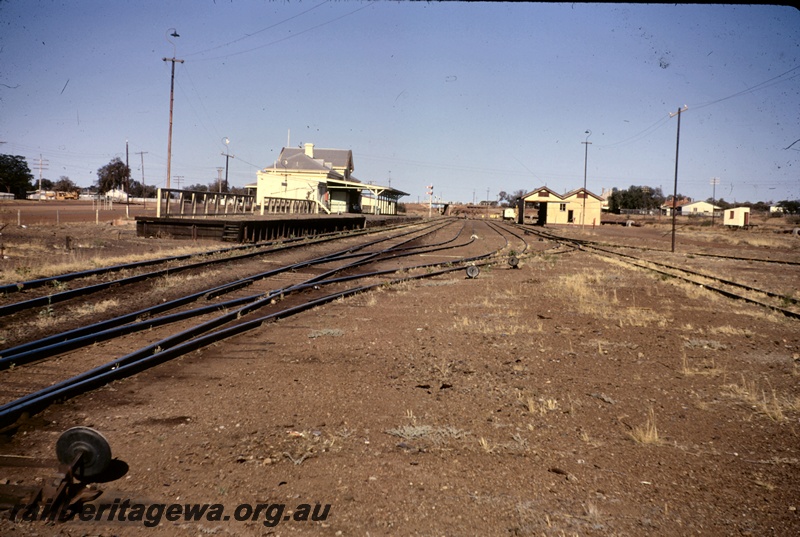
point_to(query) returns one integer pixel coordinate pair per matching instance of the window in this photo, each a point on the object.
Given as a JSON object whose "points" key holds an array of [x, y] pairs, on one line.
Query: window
{"points": [[544, 194], [562, 207]]}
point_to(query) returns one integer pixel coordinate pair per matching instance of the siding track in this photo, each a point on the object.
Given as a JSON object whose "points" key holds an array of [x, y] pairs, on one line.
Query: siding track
{"points": [[37, 373]]}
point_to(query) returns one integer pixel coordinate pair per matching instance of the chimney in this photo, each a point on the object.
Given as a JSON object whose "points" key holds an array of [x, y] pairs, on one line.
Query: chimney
{"points": [[309, 148]]}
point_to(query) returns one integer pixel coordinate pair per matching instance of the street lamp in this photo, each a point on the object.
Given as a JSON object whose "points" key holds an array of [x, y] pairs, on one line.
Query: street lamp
{"points": [[226, 141], [171, 101], [585, 162]]}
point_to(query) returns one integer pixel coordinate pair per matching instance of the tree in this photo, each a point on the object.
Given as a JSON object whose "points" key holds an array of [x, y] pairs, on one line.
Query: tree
{"points": [[790, 206], [65, 184], [139, 190], [15, 176], [112, 175], [637, 198], [720, 202], [197, 187], [510, 199]]}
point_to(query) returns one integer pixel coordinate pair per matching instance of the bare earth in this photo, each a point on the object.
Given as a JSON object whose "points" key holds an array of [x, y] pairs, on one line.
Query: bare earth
{"points": [[517, 403]]}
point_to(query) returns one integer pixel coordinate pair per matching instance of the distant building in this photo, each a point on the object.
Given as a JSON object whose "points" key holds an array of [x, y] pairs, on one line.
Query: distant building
{"points": [[699, 208], [544, 206], [737, 217], [671, 205]]}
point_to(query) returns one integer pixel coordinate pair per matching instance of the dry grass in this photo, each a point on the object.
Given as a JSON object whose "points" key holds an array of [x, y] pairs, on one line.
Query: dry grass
{"points": [[498, 321], [177, 280], [763, 402], [89, 309], [594, 293], [646, 433], [706, 367], [728, 330], [28, 265], [435, 434]]}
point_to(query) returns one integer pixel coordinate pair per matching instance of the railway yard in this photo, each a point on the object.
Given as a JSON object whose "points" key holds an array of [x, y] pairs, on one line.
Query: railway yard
{"points": [[435, 377]]}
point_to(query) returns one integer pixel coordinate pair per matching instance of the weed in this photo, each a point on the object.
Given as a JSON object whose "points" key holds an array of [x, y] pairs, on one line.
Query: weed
{"points": [[708, 367], [769, 405], [59, 286], [485, 445], [648, 432]]}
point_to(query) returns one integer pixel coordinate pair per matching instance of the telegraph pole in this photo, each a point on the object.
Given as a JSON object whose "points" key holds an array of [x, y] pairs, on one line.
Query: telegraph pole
{"points": [[219, 179], [227, 156], [675, 191], [144, 190], [171, 101], [714, 183], [127, 174], [587, 143], [43, 164]]}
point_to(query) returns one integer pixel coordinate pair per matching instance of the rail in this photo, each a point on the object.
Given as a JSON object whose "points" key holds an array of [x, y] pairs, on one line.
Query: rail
{"points": [[236, 314]]}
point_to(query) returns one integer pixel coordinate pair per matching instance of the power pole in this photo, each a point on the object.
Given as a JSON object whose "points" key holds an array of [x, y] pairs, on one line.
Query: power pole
{"points": [[219, 179], [171, 101], [675, 191], [179, 181], [227, 156], [587, 143], [127, 173], [43, 164], [144, 190], [714, 183]]}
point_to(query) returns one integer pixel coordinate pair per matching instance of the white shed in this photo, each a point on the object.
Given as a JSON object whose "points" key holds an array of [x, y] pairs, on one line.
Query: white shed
{"points": [[737, 217]]}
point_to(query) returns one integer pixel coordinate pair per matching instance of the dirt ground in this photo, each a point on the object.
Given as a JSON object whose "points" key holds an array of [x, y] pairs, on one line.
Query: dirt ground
{"points": [[571, 396]]}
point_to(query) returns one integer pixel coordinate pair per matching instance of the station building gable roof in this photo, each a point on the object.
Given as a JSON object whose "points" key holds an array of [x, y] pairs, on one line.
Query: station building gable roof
{"points": [[578, 191], [542, 194], [337, 159], [301, 162]]}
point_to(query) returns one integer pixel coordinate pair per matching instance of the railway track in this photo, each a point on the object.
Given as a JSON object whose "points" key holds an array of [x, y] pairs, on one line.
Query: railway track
{"points": [[774, 301], [52, 290], [37, 373]]}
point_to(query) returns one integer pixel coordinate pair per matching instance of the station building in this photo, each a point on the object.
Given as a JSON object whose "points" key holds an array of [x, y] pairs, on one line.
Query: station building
{"points": [[321, 181], [544, 206]]}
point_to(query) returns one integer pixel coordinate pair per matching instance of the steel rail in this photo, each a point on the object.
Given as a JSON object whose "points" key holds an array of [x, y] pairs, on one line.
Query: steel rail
{"points": [[728, 294], [159, 352], [87, 335], [701, 275], [637, 262], [332, 235], [62, 296], [659, 250]]}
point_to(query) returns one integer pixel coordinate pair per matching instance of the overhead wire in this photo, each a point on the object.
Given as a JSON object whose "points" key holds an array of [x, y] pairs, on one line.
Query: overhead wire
{"points": [[256, 32], [369, 4], [761, 85]]}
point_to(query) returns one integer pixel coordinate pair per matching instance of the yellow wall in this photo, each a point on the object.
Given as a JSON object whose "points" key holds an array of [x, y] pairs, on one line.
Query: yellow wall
{"points": [[594, 208], [558, 208], [295, 185]]}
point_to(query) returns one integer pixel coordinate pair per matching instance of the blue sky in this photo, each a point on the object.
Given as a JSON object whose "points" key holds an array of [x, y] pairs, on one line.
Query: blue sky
{"points": [[467, 96]]}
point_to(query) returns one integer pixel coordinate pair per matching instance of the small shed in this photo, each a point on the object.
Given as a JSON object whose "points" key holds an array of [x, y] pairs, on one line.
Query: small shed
{"points": [[737, 217]]}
